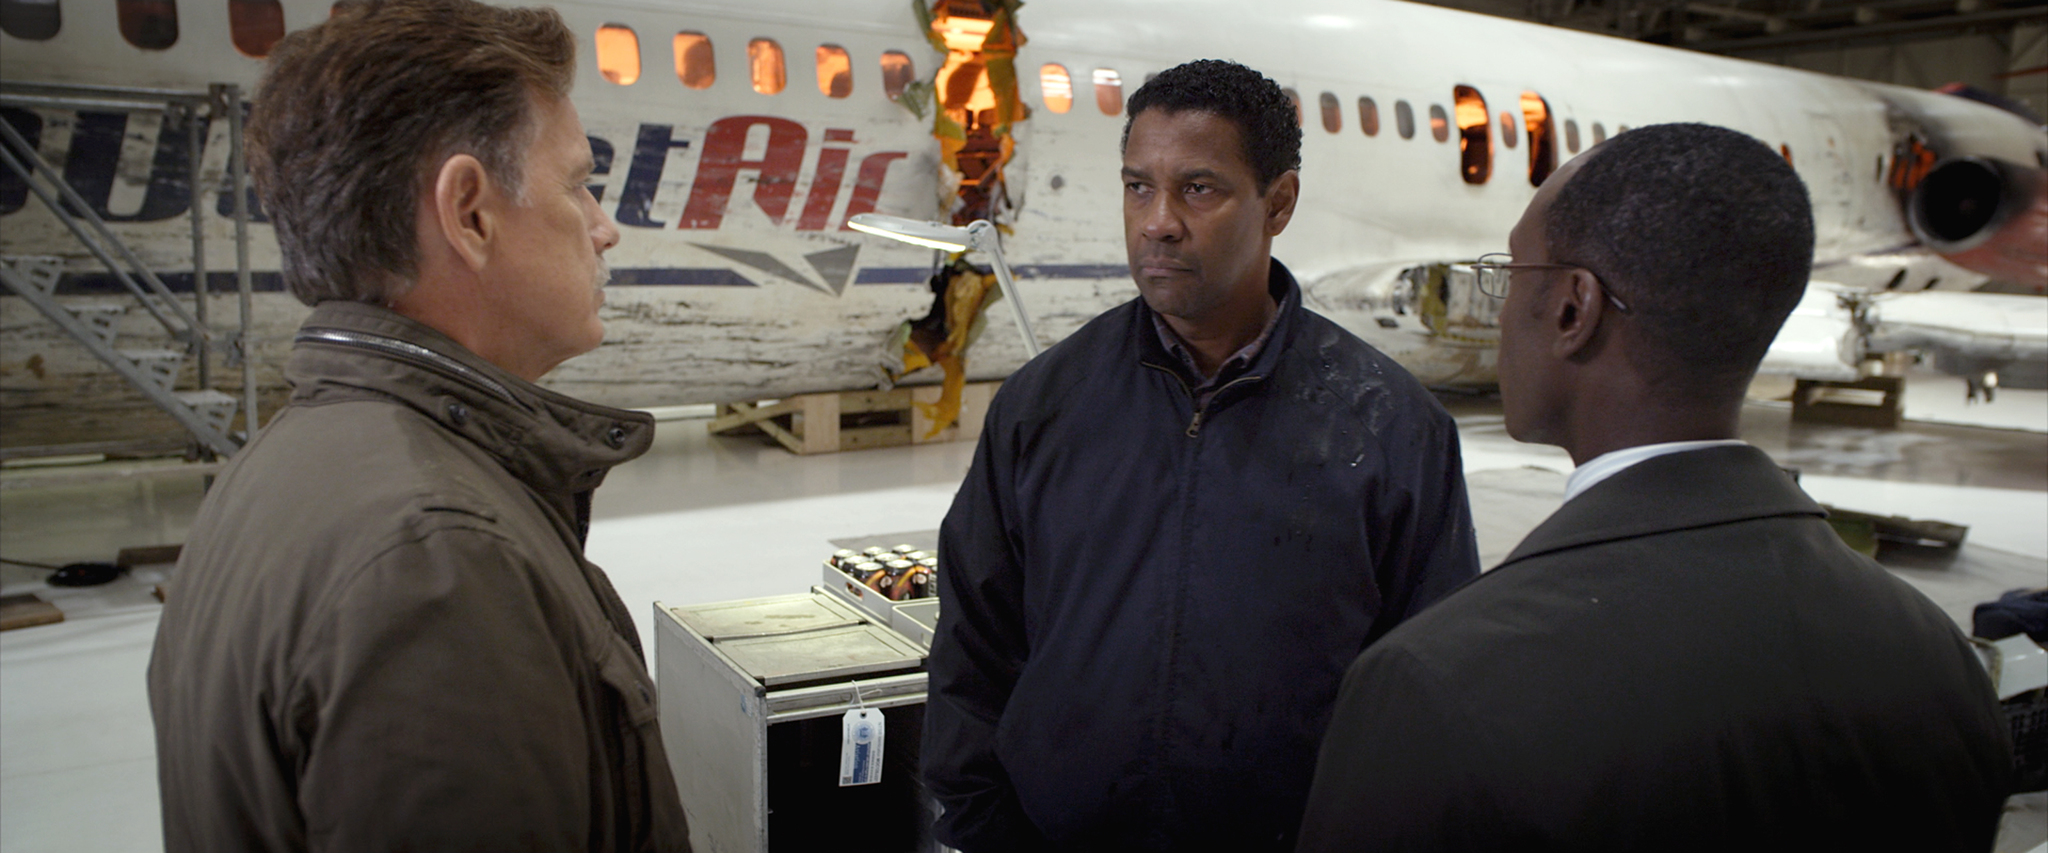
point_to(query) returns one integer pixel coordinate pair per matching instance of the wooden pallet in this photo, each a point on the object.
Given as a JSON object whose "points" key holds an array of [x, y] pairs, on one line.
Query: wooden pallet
{"points": [[851, 420], [1875, 401], [27, 611]]}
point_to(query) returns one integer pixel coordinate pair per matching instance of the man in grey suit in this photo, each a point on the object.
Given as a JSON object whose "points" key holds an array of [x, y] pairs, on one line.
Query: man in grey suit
{"points": [[1684, 656]]}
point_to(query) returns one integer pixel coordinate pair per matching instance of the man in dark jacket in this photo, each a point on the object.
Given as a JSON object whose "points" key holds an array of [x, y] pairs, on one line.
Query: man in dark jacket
{"points": [[1684, 657], [1182, 522], [382, 634]]}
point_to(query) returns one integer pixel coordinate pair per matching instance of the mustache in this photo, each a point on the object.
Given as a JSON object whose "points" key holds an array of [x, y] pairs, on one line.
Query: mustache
{"points": [[602, 276]]}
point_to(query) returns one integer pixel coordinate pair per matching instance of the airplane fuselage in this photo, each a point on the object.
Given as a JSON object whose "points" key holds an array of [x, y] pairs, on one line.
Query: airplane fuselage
{"points": [[737, 278]]}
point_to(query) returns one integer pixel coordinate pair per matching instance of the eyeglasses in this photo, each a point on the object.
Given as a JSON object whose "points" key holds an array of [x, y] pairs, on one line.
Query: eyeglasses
{"points": [[1494, 269]]}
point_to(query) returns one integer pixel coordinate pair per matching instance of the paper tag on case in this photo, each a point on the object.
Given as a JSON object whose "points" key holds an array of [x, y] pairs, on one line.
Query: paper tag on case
{"points": [[860, 747]]}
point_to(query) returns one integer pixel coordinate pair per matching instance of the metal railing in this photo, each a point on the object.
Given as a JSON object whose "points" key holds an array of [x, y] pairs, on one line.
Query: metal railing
{"points": [[205, 412]]}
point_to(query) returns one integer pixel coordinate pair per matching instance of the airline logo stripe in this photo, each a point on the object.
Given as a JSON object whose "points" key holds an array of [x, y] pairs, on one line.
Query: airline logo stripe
{"points": [[105, 284]]}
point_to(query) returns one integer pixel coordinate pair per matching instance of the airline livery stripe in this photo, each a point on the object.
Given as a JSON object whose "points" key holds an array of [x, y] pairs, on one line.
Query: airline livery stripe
{"points": [[685, 276], [105, 284], [1073, 271], [918, 275], [893, 275]]}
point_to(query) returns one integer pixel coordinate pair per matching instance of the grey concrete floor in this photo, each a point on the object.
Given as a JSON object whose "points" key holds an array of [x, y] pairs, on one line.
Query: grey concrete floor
{"points": [[703, 519]]}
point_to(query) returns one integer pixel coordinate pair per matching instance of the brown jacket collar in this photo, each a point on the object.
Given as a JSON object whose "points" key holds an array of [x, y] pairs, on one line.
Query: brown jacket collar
{"points": [[554, 443]]}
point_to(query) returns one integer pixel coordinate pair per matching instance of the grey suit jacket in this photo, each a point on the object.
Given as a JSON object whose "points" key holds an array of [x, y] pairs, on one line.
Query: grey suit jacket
{"points": [[1684, 657]]}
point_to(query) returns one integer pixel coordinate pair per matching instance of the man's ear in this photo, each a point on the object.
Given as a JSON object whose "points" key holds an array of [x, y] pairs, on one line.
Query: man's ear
{"points": [[461, 190], [1280, 198], [1577, 313]]}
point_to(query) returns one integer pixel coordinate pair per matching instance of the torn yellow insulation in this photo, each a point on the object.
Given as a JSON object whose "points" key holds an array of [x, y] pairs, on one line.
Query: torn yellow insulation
{"points": [[961, 294]]}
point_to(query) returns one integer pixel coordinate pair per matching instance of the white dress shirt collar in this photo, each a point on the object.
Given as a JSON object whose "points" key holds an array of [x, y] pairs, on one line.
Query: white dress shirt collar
{"points": [[1614, 462]]}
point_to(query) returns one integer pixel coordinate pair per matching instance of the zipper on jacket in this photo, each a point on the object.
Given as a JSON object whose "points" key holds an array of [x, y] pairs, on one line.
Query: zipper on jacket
{"points": [[1195, 426], [408, 351], [1194, 429]]}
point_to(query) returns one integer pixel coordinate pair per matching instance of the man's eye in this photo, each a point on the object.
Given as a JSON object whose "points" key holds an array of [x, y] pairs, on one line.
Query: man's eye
{"points": [[1197, 189]]}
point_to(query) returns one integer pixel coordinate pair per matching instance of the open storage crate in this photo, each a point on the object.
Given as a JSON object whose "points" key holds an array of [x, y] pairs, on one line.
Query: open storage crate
{"points": [[751, 698]]}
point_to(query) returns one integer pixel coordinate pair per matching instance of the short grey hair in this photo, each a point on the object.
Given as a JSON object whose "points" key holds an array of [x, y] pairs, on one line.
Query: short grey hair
{"points": [[355, 116]]}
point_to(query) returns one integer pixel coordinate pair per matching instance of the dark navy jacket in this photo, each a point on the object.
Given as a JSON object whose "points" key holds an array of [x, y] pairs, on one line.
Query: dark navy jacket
{"points": [[1147, 614]]}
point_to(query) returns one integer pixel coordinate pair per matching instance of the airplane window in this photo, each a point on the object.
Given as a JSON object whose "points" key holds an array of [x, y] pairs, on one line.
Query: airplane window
{"points": [[1571, 135], [255, 26], [30, 20], [1599, 133], [694, 65], [897, 73], [1404, 120], [764, 57], [618, 54], [1439, 123], [1296, 98], [1368, 117], [1333, 115], [1507, 130], [1056, 87], [149, 24], [1542, 137], [1475, 144], [835, 71], [1109, 91]]}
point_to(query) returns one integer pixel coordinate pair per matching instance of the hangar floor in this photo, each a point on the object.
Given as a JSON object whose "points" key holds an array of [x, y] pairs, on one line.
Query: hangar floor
{"points": [[704, 519]]}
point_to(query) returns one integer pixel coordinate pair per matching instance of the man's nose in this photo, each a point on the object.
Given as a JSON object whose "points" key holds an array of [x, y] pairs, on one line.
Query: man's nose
{"points": [[1159, 220], [606, 234]]}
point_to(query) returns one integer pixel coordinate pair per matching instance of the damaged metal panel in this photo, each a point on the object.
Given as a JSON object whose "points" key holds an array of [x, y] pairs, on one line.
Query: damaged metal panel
{"points": [[976, 106]]}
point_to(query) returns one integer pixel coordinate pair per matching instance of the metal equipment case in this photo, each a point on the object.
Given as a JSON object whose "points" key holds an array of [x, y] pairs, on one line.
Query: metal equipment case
{"points": [[751, 698]]}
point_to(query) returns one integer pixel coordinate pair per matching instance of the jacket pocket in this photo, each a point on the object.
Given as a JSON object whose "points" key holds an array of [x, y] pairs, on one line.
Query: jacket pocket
{"points": [[627, 680], [648, 811]]}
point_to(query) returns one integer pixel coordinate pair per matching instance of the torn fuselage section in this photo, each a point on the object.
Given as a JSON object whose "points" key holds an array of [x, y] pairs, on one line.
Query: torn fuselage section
{"points": [[977, 103], [975, 107], [1430, 316]]}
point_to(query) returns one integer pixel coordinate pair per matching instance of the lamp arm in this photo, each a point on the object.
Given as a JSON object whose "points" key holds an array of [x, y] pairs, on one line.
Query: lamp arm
{"points": [[987, 239]]}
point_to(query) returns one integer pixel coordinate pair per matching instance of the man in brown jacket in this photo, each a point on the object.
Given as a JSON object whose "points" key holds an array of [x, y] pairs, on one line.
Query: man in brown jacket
{"points": [[383, 634]]}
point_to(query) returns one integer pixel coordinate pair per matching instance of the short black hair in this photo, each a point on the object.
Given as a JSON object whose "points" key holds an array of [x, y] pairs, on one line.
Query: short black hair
{"points": [[1266, 118], [1705, 233]]}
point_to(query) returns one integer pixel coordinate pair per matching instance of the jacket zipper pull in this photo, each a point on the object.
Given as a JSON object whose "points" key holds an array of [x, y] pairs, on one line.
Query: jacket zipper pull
{"points": [[1195, 426]]}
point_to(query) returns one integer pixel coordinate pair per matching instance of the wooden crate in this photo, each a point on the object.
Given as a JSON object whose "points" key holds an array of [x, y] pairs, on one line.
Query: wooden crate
{"points": [[850, 420]]}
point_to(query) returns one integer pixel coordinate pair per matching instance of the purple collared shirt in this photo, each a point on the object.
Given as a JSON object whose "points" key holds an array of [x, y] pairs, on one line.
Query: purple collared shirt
{"points": [[1231, 367]]}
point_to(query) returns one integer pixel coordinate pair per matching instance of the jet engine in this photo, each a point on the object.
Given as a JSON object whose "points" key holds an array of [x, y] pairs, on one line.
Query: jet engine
{"points": [[1986, 215]]}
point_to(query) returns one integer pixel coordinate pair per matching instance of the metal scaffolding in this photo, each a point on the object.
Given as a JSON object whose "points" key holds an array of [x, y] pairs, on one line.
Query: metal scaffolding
{"points": [[205, 412]]}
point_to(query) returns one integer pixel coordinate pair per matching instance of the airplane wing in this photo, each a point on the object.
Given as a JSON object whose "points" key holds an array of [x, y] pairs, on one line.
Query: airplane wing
{"points": [[1821, 339], [1969, 334]]}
